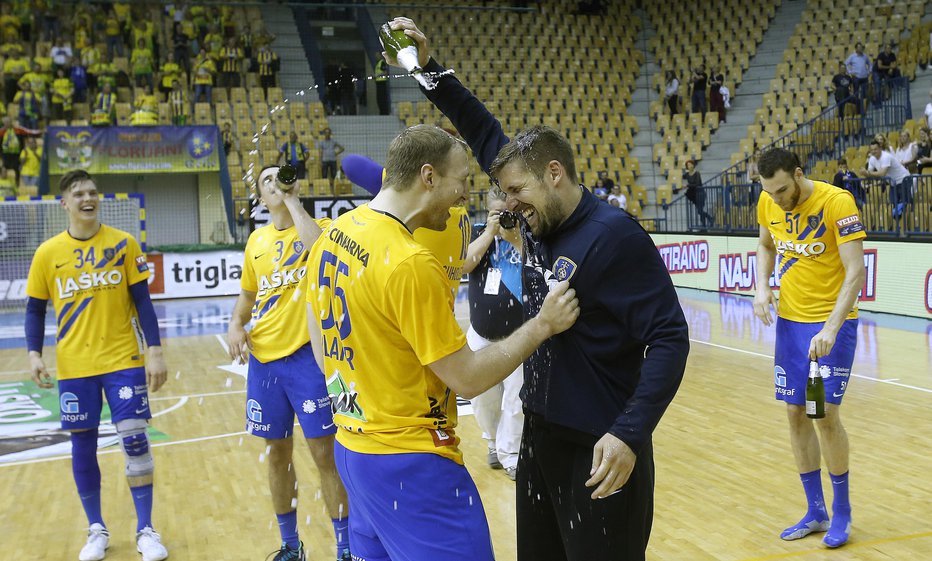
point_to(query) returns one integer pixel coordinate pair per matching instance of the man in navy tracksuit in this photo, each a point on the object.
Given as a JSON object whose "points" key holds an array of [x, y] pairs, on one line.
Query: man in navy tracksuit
{"points": [[593, 394]]}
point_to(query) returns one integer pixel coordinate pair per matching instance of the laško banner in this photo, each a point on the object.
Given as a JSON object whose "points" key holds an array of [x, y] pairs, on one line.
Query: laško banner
{"points": [[132, 150]]}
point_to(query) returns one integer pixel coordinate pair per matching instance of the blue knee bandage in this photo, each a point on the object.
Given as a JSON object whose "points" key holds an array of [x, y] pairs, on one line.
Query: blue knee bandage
{"points": [[135, 444]]}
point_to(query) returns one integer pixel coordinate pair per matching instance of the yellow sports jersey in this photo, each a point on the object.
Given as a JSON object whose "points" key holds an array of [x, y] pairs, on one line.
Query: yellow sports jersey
{"points": [[383, 306], [275, 268], [807, 239], [88, 283], [450, 245]]}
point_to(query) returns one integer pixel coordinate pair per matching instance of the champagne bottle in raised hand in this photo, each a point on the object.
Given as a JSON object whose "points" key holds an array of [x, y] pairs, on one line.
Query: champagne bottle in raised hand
{"points": [[404, 50], [815, 393]]}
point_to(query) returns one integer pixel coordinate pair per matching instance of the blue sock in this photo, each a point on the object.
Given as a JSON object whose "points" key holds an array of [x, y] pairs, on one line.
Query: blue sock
{"points": [[142, 498], [87, 473], [841, 512], [812, 484], [288, 527], [341, 531], [816, 518]]}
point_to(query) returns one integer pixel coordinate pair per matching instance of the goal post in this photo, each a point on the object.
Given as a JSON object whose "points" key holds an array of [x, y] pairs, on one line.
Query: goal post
{"points": [[26, 222]]}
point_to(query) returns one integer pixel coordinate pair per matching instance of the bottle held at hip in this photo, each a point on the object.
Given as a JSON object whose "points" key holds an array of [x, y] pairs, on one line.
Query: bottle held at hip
{"points": [[815, 392]]}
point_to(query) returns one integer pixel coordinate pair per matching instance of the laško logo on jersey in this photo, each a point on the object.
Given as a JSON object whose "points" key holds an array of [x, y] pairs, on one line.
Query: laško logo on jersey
{"points": [[279, 279], [67, 287], [801, 249]]}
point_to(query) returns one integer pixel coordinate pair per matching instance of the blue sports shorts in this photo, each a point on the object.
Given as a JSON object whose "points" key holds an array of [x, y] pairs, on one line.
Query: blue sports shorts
{"points": [[81, 399], [278, 390], [413, 506], [791, 360]]}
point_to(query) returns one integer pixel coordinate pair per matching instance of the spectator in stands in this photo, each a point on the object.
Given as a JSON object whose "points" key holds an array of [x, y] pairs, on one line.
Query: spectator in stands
{"points": [[296, 154], [753, 178], [346, 87], [607, 181], [178, 105], [30, 105], [381, 87], [142, 63], [905, 152], [181, 52], [231, 60], [928, 112], [226, 136], [599, 190], [885, 69], [268, 64], [62, 95], [11, 146], [329, 149], [104, 110], [29, 163], [859, 67], [14, 68], [245, 41], [213, 42], [881, 140], [7, 183], [204, 70], [169, 74], [884, 164], [61, 53], [698, 83], [79, 79], [617, 198], [39, 79], [847, 180], [695, 192], [671, 92], [923, 150], [716, 100], [9, 24], [113, 34], [843, 84]]}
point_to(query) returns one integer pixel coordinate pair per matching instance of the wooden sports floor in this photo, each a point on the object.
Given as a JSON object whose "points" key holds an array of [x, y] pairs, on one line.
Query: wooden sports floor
{"points": [[726, 482]]}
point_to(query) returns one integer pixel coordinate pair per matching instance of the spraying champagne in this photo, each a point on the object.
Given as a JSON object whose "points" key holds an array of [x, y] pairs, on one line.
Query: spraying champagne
{"points": [[404, 50]]}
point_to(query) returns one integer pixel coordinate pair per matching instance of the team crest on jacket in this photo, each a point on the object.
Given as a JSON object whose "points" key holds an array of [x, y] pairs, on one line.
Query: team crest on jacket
{"points": [[109, 253], [563, 268], [298, 247], [813, 221]]}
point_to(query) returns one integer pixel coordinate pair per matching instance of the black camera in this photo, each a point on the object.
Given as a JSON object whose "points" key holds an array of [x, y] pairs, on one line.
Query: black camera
{"points": [[507, 219], [287, 174]]}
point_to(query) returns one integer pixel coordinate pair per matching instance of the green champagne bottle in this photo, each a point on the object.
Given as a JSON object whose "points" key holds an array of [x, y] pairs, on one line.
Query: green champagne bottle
{"points": [[404, 50], [815, 393]]}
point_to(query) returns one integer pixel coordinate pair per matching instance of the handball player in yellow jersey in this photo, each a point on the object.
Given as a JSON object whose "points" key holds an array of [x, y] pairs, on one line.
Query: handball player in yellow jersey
{"points": [[107, 344], [283, 379], [813, 231], [394, 357]]}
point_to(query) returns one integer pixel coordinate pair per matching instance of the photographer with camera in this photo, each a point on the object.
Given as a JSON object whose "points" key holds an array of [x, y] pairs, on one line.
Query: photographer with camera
{"points": [[493, 263]]}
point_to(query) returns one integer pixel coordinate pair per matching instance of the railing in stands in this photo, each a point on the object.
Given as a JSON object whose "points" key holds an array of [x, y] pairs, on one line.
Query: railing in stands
{"points": [[730, 199], [831, 132], [887, 209]]}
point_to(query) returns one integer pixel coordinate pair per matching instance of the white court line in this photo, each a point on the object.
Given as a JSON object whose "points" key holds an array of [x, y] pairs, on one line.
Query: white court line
{"points": [[226, 348], [119, 450], [890, 381], [231, 392]]}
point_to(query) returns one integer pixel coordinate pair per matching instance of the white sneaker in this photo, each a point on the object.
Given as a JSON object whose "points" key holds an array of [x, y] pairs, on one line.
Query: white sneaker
{"points": [[98, 540], [149, 543]]}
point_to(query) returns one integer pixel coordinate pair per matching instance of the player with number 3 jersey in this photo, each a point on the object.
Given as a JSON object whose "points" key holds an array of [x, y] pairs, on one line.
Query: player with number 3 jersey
{"points": [[283, 379]]}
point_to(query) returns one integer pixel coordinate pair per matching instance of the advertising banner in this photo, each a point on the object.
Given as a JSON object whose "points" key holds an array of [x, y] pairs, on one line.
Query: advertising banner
{"points": [[897, 280], [133, 150], [187, 275]]}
